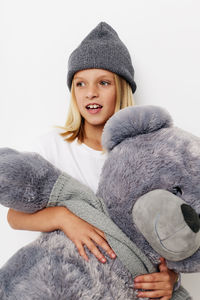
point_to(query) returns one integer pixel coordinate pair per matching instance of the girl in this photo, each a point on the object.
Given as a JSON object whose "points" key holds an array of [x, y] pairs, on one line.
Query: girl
{"points": [[101, 80]]}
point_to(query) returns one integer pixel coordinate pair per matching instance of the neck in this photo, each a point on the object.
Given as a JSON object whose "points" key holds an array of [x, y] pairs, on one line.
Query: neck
{"points": [[92, 136]]}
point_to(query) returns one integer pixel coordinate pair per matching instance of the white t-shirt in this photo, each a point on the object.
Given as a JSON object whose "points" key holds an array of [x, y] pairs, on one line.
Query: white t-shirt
{"points": [[78, 160]]}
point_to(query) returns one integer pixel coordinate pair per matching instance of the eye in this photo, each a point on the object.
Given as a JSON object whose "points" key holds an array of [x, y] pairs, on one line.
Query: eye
{"points": [[80, 83], [176, 190], [103, 82]]}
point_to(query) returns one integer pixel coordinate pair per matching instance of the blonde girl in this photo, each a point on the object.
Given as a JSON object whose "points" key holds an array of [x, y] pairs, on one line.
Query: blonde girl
{"points": [[101, 80]]}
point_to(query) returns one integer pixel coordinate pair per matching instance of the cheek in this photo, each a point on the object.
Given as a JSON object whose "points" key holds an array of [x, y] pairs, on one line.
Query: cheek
{"points": [[112, 100], [78, 97]]}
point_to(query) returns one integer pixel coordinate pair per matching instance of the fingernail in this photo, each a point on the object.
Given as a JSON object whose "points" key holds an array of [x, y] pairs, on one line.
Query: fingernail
{"points": [[113, 255], [103, 260]]}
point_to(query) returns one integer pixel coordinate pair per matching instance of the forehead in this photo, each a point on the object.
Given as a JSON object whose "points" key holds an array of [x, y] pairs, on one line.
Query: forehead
{"points": [[93, 73]]}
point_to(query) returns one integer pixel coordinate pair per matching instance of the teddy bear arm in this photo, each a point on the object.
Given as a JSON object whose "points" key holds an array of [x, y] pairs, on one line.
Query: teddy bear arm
{"points": [[26, 180]]}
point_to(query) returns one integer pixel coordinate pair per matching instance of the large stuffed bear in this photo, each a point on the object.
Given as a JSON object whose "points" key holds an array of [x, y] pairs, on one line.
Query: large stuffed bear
{"points": [[148, 205]]}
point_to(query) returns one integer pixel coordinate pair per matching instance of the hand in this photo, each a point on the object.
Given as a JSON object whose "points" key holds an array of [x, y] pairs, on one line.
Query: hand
{"points": [[82, 233], [157, 285]]}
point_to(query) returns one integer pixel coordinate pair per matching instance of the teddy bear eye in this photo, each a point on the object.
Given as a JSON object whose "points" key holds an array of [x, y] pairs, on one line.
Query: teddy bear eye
{"points": [[176, 190]]}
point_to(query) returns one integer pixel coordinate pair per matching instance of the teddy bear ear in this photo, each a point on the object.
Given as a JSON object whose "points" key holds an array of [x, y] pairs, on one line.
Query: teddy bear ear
{"points": [[132, 121], [7, 151]]}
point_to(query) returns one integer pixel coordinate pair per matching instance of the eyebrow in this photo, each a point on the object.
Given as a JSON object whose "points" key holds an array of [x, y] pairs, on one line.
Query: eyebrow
{"points": [[101, 76]]}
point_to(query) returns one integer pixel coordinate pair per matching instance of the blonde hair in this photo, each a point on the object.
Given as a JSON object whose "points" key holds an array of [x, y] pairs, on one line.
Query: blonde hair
{"points": [[74, 126]]}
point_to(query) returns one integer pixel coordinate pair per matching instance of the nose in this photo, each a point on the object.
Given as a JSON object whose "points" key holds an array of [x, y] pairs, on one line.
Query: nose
{"points": [[92, 92], [191, 217]]}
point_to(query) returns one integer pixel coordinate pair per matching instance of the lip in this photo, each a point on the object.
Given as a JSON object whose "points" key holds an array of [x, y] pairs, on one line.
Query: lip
{"points": [[93, 111]]}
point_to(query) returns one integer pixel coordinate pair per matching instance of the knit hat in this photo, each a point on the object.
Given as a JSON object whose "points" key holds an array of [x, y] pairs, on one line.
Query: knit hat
{"points": [[102, 49]]}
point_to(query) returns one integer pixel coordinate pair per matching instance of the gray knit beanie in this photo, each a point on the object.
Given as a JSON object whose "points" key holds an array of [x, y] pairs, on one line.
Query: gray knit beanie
{"points": [[102, 49]]}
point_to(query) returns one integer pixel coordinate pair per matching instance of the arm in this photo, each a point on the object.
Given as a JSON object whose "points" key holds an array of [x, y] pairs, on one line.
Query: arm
{"points": [[45, 220], [28, 193], [53, 218]]}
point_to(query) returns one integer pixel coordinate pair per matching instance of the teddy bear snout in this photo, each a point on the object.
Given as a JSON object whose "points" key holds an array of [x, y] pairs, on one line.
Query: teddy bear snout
{"points": [[169, 224], [191, 217]]}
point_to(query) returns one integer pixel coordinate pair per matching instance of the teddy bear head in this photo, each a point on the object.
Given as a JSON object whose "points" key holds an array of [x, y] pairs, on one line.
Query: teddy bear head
{"points": [[150, 184]]}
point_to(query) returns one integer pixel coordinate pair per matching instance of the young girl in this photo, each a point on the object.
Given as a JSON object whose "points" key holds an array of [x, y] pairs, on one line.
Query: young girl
{"points": [[101, 80]]}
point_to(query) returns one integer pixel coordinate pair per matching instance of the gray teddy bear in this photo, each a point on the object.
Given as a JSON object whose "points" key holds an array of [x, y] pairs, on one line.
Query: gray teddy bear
{"points": [[147, 203]]}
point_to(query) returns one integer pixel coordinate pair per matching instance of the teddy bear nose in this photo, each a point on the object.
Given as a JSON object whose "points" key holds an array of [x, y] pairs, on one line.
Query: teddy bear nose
{"points": [[191, 217]]}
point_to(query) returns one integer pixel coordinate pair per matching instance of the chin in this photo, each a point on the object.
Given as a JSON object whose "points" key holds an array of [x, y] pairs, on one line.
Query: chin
{"points": [[96, 122]]}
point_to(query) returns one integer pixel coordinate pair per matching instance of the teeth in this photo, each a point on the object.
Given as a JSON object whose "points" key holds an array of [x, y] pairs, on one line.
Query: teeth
{"points": [[94, 106]]}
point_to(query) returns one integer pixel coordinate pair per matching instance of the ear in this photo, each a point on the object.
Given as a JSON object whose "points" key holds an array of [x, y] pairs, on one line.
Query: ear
{"points": [[132, 121], [7, 151]]}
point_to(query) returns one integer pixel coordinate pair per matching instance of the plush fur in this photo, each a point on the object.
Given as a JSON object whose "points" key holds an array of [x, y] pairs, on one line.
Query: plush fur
{"points": [[155, 159], [146, 153]]}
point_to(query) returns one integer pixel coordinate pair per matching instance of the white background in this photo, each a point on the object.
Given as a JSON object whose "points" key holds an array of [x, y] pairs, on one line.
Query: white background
{"points": [[36, 38]]}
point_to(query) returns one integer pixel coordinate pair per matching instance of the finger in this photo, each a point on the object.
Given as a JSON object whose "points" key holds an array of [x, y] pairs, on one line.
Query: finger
{"points": [[163, 266], [154, 294], [81, 251], [161, 298], [100, 241], [101, 233], [153, 286], [94, 250], [153, 277]]}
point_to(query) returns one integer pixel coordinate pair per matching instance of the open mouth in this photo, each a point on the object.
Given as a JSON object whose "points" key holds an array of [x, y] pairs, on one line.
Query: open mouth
{"points": [[94, 108]]}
